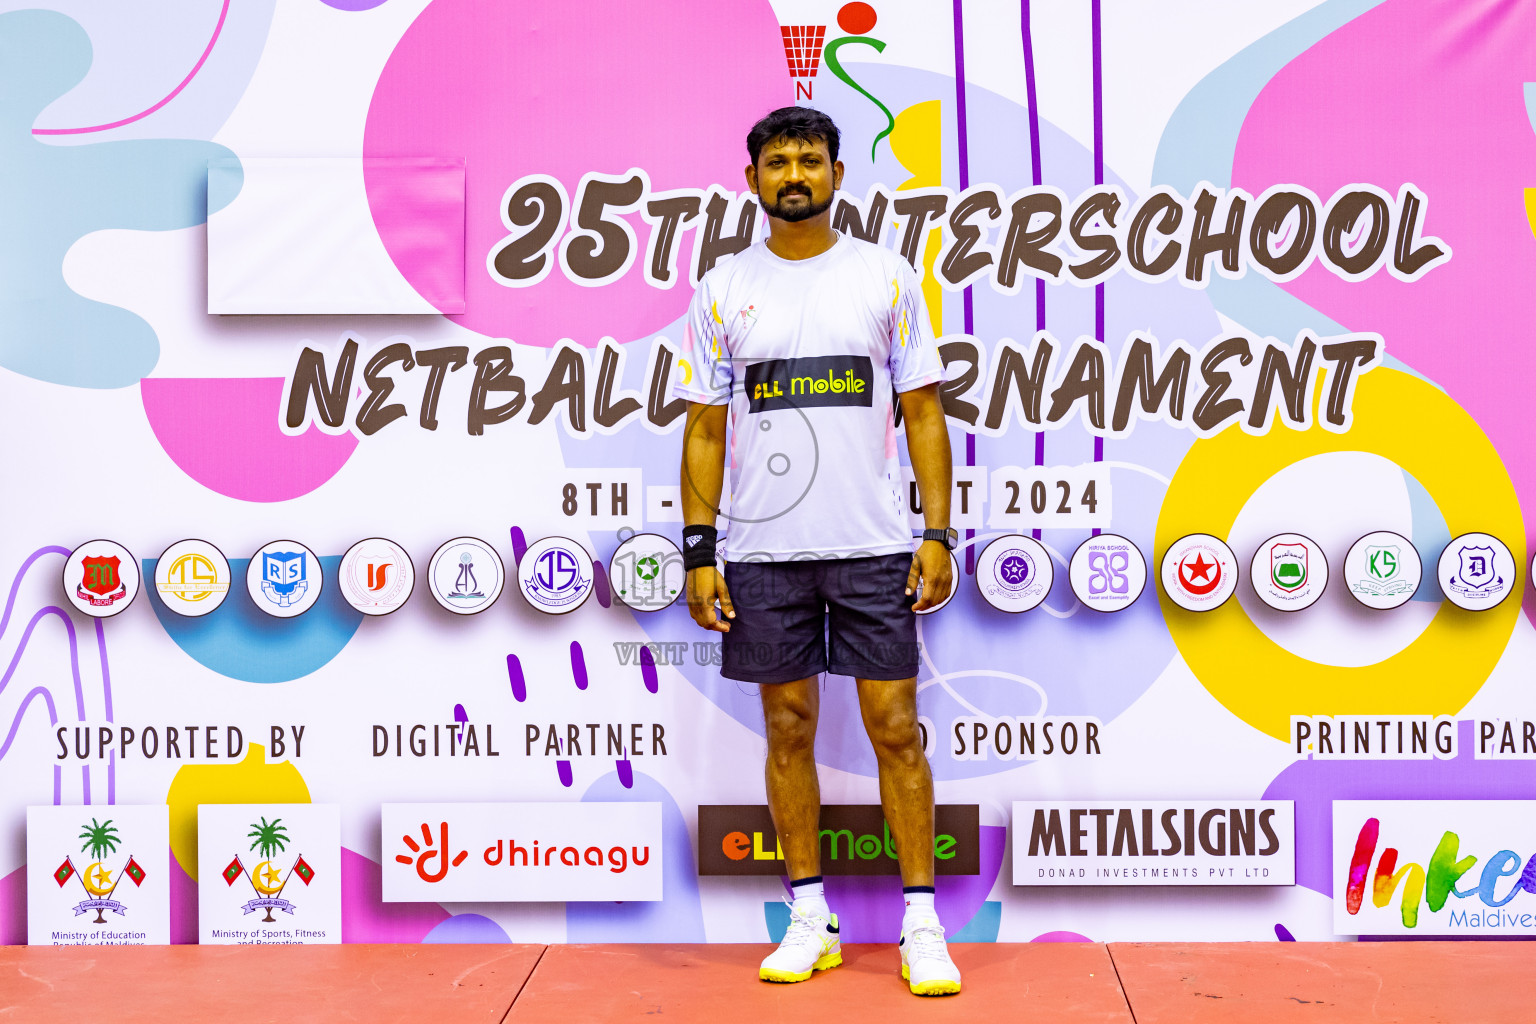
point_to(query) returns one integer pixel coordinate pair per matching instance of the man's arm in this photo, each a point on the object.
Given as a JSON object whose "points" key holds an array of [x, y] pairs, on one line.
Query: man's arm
{"points": [[703, 471], [928, 445]]}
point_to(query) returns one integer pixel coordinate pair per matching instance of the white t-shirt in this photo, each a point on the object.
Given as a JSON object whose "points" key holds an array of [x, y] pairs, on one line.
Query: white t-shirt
{"points": [[807, 353]]}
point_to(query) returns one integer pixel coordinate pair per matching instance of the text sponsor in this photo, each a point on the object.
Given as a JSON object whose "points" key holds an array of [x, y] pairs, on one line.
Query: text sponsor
{"points": [[522, 852], [1139, 842], [1434, 867], [739, 839], [1024, 738]]}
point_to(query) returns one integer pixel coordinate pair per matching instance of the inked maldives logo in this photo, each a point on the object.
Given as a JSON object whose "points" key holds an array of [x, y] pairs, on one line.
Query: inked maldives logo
{"points": [[1436, 884]]}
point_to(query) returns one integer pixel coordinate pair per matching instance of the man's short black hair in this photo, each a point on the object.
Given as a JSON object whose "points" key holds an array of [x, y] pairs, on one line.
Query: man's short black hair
{"points": [[806, 124]]}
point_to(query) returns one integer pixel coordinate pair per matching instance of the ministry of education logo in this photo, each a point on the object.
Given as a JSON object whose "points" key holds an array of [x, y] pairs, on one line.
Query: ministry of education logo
{"points": [[101, 578], [556, 575], [466, 575], [1477, 571], [1107, 573], [1199, 572], [284, 578], [1383, 570], [1014, 573], [101, 842], [646, 572], [1289, 572], [192, 578], [376, 576]]}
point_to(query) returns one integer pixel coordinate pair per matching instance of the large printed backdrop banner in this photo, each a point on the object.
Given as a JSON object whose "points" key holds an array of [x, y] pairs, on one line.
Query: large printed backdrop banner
{"points": [[1243, 272]]}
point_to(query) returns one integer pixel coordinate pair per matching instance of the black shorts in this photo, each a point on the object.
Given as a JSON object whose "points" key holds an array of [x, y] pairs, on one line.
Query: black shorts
{"points": [[786, 613]]}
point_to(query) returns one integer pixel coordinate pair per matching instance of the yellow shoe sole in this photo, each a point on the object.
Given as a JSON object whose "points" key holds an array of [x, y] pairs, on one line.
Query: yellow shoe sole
{"points": [[937, 987], [826, 963]]}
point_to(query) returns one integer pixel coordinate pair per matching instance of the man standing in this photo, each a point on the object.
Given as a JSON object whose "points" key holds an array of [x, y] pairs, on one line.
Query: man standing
{"points": [[803, 339]]}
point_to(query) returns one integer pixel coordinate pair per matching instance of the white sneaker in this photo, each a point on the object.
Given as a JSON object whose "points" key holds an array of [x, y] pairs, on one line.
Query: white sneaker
{"points": [[925, 962], [811, 944]]}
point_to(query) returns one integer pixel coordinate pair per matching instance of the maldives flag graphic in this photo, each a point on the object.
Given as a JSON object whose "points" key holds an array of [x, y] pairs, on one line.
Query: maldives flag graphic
{"points": [[233, 871], [65, 872], [303, 870], [133, 871]]}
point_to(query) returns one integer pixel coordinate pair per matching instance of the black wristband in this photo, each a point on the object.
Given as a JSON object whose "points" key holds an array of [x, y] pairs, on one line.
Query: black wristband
{"points": [[699, 547]]}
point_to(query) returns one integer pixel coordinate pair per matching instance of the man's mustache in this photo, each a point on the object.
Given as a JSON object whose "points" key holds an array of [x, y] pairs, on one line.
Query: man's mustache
{"points": [[794, 190]]}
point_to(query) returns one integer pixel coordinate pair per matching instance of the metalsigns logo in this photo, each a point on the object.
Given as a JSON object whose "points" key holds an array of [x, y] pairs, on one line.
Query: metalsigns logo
{"points": [[1107, 572], [556, 575], [1289, 572], [1383, 570], [739, 839], [101, 578], [1014, 573], [192, 577], [1477, 572], [466, 575], [100, 844], [1199, 572], [522, 852], [1216, 842], [284, 578], [1471, 863], [376, 576], [646, 572], [266, 879]]}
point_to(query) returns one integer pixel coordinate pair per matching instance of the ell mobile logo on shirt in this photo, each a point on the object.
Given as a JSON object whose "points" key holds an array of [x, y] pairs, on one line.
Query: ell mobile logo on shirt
{"points": [[809, 382]]}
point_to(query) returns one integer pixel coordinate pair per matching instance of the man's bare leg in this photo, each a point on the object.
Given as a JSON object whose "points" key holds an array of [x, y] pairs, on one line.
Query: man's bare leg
{"points": [[790, 712], [889, 709]]}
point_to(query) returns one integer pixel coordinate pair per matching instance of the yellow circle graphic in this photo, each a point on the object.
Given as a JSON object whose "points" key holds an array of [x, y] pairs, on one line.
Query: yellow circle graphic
{"points": [[1398, 417]]}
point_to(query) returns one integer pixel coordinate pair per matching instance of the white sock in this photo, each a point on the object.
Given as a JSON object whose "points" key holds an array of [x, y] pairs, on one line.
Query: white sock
{"points": [[810, 896], [919, 906]]}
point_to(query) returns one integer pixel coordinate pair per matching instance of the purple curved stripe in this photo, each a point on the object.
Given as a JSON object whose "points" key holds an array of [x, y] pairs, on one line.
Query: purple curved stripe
{"points": [[600, 585], [58, 785], [519, 544], [10, 602], [578, 665], [112, 777], [106, 674], [74, 653], [515, 676], [626, 772], [53, 715], [85, 782], [648, 670], [1283, 933], [223, 13], [564, 769]]}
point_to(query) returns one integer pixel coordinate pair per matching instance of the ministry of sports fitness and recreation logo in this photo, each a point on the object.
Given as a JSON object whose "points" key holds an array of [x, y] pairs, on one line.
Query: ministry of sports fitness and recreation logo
{"points": [[646, 572], [284, 578], [1107, 573], [376, 576], [101, 578], [1199, 572], [556, 575], [269, 840], [466, 575], [192, 577], [100, 844], [1477, 571], [1289, 572], [1014, 573], [1383, 570]]}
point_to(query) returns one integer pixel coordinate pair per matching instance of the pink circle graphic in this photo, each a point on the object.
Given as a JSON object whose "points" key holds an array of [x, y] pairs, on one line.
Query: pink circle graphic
{"points": [[561, 89]]}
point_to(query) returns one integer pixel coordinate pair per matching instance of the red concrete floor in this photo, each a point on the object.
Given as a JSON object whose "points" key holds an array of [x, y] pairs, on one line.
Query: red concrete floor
{"points": [[1051, 983]]}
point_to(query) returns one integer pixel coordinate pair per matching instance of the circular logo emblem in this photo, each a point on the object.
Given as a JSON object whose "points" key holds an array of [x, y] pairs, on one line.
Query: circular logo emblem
{"points": [[1199, 572], [556, 574], [954, 585], [1477, 572], [192, 577], [284, 578], [646, 572], [1289, 572], [376, 576], [466, 575], [101, 578], [1382, 570], [1107, 572], [1014, 573]]}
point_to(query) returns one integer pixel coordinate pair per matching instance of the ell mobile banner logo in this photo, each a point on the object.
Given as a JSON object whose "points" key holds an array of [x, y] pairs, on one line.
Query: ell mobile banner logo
{"points": [[522, 853], [1154, 842], [739, 839], [1434, 867]]}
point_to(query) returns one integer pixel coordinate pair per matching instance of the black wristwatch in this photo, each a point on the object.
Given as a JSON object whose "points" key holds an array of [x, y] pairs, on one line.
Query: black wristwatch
{"points": [[948, 537]]}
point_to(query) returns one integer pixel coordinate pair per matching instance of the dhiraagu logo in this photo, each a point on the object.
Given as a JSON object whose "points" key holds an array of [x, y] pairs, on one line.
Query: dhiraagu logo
{"points": [[1449, 874]]}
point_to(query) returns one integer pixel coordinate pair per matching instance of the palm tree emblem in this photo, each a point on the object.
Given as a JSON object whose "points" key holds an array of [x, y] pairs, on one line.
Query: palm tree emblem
{"points": [[100, 842], [268, 838]]}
